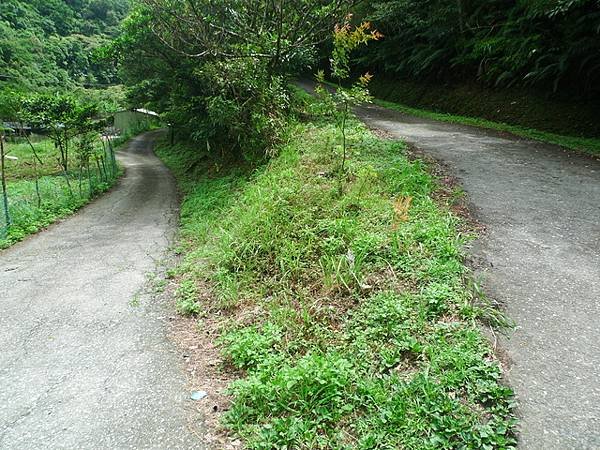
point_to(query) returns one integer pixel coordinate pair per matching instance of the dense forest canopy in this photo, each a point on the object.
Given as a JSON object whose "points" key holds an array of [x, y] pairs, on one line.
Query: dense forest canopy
{"points": [[220, 69], [553, 45], [52, 43]]}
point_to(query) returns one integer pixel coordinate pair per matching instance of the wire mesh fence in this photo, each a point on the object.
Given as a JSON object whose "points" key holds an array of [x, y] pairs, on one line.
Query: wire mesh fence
{"points": [[35, 202]]}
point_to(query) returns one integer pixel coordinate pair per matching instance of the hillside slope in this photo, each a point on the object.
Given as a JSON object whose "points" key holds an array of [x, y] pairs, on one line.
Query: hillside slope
{"points": [[51, 43]]}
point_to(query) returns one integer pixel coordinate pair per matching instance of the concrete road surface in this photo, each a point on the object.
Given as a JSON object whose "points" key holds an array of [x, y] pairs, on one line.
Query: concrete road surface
{"points": [[84, 358]]}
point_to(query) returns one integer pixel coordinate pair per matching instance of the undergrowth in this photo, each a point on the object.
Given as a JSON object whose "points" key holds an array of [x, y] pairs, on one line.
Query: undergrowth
{"points": [[348, 310]]}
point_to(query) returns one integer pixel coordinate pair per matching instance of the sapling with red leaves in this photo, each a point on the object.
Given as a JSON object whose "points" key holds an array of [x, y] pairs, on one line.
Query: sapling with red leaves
{"points": [[346, 38]]}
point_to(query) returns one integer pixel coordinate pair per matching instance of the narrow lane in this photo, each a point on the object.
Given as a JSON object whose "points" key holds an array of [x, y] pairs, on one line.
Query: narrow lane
{"points": [[540, 258], [85, 361]]}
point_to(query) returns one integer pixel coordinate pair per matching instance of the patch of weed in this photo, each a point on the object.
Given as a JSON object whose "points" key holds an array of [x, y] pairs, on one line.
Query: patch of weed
{"points": [[187, 295], [350, 311]]}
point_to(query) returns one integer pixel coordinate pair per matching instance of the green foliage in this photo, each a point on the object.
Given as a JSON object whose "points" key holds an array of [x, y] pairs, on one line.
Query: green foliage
{"points": [[359, 324], [63, 118], [250, 347], [40, 174], [550, 44], [345, 39], [57, 201], [226, 91], [186, 298], [51, 44]]}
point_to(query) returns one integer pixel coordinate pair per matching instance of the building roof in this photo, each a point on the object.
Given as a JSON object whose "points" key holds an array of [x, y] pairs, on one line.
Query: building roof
{"points": [[141, 111], [146, 111], [15, 126]]}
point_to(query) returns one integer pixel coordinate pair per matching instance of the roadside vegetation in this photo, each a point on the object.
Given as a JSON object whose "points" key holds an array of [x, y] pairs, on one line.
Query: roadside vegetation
{"points": [[56, 86], [49, 176], [34, 202], [547, 48], [529, 68], [526, 108], [590, 146], [587, 145], [319, 258], [348, 315]]}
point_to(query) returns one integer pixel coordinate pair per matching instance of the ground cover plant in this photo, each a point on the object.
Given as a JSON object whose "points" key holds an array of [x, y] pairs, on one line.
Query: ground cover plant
{"points": [[38, 197], [348, 315]]}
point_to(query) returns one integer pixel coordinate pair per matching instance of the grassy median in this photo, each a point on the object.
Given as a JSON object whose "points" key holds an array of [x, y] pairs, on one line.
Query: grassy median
{"points": [[350, 319]]}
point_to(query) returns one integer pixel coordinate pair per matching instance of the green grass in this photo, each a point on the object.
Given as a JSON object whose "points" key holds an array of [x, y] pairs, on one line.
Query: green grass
{"points": [[22, 166], [349, 316], [590, 146], [30, 215], [57, 203]]}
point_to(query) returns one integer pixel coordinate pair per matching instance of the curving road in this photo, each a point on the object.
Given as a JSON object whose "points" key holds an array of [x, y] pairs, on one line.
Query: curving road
{"points": [[541, 207], [540, 257], [85, 362]]}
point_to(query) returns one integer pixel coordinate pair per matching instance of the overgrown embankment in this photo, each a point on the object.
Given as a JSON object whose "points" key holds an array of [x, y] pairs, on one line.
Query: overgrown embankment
{"points": [[572, 124], [342, 304]]}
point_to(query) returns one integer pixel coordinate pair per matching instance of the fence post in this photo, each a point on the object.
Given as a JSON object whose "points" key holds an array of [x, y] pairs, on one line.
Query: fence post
{"points": [[3, 176]]}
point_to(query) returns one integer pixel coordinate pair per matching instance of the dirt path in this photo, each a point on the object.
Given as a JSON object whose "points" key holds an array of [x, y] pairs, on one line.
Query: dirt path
{"points": [[84, 360], [541, 207]]}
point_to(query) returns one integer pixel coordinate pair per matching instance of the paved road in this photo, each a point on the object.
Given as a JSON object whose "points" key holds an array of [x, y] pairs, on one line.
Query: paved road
{"points": [[541, 206], [84, 359]]}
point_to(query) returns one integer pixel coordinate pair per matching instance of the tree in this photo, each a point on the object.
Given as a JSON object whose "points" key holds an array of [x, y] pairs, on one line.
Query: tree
{"points": [[346, 38], [11, 108], [549, 44], [62, 116], [280, 31], [50, 44], [218, 70]]}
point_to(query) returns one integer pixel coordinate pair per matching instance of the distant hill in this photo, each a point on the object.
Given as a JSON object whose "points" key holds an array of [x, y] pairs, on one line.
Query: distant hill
{"points": [[51, 43]]}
